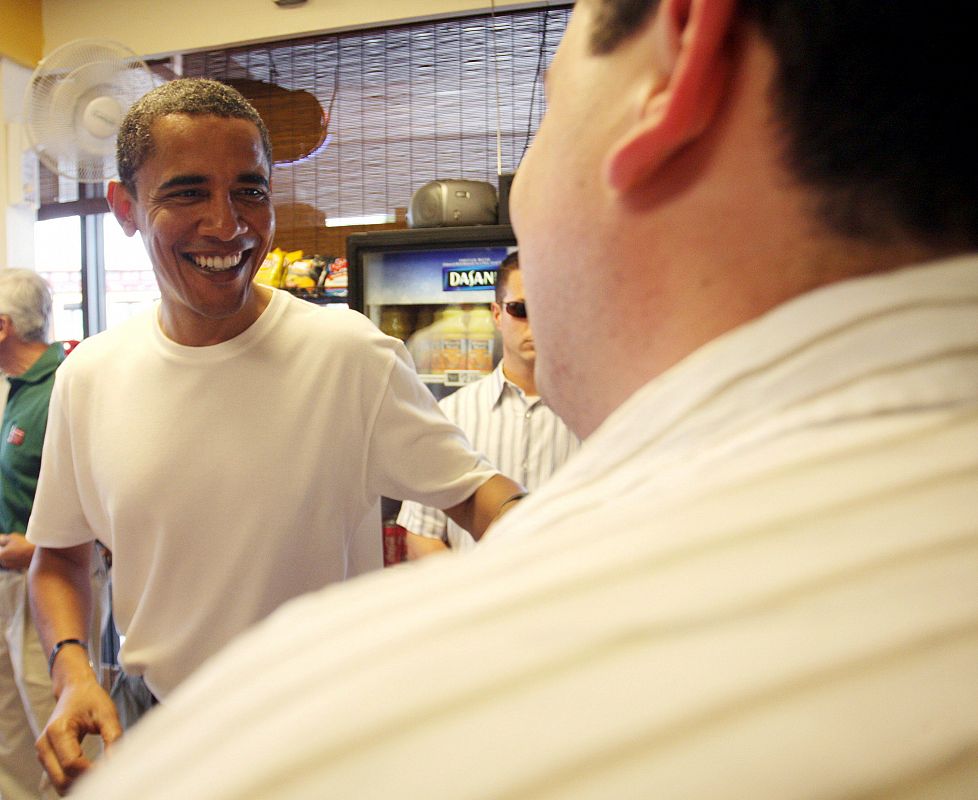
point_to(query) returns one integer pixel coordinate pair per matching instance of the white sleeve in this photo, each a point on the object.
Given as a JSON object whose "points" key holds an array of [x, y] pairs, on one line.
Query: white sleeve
{"points": [[57, 517], [416, 453]]}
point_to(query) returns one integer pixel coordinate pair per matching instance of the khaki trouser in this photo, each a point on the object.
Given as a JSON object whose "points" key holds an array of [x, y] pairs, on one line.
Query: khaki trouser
{"points": [[26, 700]]}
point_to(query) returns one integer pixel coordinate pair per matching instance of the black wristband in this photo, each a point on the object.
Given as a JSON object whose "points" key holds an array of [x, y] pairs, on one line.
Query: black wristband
{"points": [[57, 649]]}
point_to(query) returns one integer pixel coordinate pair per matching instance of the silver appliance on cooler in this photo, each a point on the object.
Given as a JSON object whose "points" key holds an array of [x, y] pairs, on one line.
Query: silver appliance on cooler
{"points": [[447, 203]]}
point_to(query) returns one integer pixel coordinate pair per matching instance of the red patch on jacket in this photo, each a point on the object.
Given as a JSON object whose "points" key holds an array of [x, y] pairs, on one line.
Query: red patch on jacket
{"points": [[16, 436]]}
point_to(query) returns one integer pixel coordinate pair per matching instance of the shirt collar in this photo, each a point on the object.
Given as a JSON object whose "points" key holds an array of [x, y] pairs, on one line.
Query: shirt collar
{"points": [[39, 371], [501, 385], [739, 376]]}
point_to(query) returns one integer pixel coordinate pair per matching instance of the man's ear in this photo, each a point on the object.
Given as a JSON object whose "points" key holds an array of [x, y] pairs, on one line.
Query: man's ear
{"points": [[691, 37], [123, 206]]}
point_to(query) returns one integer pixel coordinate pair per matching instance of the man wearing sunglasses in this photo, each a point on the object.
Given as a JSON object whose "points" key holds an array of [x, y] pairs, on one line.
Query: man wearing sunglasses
{"points": [[504, 418]]}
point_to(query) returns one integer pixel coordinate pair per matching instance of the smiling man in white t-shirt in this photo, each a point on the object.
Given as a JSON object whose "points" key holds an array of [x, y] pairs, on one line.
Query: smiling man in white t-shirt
{"points": [[230, 447]]}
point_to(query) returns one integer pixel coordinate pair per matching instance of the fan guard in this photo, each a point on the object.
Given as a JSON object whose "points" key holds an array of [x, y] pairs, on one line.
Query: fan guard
{"points": [[75, 103]]}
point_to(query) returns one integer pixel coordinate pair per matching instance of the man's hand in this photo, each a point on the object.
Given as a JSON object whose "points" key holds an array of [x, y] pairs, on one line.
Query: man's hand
{"points": [[15, 551], [83, 708], [418, 546], [60, 589]]}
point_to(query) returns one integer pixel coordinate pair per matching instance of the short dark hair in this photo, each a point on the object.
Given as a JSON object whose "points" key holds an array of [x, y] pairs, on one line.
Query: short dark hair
{"points": [[507, 267], [871, 97], [617, 20], [193, 96]]}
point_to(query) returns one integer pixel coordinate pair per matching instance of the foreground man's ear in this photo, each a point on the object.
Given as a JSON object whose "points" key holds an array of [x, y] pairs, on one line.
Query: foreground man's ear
{"points": [[123, 206], [690, 41]]}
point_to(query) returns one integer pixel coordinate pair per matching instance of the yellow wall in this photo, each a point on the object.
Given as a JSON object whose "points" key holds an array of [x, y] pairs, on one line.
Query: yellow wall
{"points": [[21, 34], [151, 27]]}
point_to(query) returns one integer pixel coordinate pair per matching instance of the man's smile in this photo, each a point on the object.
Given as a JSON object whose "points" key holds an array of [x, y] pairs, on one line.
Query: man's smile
{"points": [[218, 263]]}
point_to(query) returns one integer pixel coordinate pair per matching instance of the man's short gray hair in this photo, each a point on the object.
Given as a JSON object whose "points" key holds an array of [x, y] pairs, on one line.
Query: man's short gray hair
{"points": [[193, 96], [25, 297]]}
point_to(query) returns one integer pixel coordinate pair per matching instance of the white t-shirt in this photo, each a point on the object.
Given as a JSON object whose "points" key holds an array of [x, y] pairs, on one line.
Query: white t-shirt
{"points": [[228, 479], [757, 579]]}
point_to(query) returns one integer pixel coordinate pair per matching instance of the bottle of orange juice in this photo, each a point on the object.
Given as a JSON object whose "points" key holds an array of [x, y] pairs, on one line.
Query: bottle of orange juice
{"points": [[431, 344], [419, 343], [481, 336], [452, 344]]}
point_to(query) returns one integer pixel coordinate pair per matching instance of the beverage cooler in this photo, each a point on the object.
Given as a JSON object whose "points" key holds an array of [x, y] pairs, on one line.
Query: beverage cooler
{"points": [[432, 288]]}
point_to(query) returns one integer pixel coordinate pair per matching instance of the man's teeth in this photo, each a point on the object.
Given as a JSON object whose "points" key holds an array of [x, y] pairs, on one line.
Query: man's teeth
{"points": [[218, 263]]}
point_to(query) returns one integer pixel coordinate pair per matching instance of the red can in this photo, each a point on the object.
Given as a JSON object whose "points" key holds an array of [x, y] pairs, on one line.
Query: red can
{"points": [[395, 545]]}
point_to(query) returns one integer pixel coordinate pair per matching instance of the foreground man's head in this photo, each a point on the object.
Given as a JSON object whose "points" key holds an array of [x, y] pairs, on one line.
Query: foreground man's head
{"points": [[700, 163]]}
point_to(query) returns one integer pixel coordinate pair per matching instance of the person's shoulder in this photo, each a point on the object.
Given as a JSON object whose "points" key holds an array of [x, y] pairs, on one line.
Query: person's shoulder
{"points": [[332, 317], [110, 344], [335, 331]]}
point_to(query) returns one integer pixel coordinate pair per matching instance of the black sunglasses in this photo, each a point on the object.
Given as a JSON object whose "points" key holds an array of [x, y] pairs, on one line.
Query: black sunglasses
{"points": [[516, 308]]}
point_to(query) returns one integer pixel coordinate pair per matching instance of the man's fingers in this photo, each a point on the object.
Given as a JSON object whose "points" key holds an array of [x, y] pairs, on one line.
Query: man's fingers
{"points": [[65, 746], [110, 730], [60, 753], [62, 767], [51, 766]]}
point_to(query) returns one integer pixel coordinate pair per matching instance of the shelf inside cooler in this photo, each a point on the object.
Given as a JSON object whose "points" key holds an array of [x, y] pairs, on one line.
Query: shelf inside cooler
{"points": [[453, 377]]}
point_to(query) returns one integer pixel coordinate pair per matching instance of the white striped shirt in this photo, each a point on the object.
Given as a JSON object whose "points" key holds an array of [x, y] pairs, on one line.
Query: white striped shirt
{"points": [[758, 579], [521, 436]]}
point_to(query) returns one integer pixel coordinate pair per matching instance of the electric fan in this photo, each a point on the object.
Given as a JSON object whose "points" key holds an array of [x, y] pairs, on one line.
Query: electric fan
{"points": [[75, 103]]}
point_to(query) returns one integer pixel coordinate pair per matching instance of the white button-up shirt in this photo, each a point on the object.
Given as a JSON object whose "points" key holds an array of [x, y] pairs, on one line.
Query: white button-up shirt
{"points": [[757, 579], [520, 435]]}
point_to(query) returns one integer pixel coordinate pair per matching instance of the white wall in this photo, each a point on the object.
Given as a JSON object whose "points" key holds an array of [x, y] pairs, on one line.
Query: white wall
{"points": [[16, 219], [151, 27]]}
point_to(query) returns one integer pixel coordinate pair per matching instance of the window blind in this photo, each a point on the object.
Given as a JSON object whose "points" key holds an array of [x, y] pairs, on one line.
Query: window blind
{"points": [[406, 104]]}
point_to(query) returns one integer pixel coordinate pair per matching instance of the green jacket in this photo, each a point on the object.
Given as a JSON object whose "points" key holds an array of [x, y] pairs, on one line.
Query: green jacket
{"points": [[25, 420]]}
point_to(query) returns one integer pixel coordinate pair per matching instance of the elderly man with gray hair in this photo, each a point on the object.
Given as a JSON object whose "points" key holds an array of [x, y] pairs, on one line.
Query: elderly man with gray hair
{"points": [[29, 362]]}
